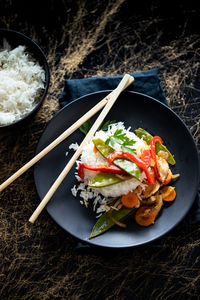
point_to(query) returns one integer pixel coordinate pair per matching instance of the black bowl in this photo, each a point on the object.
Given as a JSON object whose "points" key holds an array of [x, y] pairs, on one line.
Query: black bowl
{"points": [[15, 39]]}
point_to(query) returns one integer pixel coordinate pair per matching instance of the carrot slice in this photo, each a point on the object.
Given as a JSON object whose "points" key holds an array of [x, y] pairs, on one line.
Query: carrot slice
{"points": [[130, 200], [145, 215], [168, 193], [95, 149]]}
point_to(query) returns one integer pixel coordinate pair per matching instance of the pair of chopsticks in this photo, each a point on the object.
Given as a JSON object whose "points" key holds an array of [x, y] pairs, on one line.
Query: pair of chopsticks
{"points": [[108, 102]]}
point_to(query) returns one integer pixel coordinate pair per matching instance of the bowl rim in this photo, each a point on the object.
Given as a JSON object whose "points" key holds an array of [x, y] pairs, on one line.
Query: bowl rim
{"points": [[47, 76]]}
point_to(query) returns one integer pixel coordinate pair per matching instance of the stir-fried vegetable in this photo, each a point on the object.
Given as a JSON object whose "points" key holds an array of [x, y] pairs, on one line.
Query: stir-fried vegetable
{"points": [[168, 178], [130, 200], [104, 223], [99, 168], [146, 215], [120, 154], [126, 165], [143, 134], [125, 162], [153, 153], [146, 157], [168, 193], [104, 179]]}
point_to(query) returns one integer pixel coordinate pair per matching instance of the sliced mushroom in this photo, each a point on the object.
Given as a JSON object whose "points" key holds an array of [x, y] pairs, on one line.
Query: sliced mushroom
{"points": [[163, 154], [150, 190], [159, 203], [163, 168], [150, 200]]}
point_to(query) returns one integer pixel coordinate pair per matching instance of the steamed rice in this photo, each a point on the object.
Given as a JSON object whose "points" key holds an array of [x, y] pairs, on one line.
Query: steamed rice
{"points": [[21, 82], [101, 196]]}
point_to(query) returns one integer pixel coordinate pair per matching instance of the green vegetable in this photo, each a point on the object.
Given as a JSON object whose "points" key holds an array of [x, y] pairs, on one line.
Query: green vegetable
{"points": [[104, 149], [105, 222], [85, 127], [120, 138], [130, 167], [105, 125], [141, 133], [126, 165], [104, 179], [161, 147], [127, 149]]}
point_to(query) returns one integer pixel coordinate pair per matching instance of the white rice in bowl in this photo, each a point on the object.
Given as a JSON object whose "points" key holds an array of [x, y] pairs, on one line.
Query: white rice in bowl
{"points": [[21, 82]]}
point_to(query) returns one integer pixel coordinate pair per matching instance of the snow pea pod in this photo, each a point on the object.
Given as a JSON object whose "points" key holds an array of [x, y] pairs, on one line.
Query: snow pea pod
{"points": [[104, 223], [104, 179], [126, 165], [143, 134]]}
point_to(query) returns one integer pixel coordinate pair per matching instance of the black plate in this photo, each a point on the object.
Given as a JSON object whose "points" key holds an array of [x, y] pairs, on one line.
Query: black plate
{"points": [[135, 110]]}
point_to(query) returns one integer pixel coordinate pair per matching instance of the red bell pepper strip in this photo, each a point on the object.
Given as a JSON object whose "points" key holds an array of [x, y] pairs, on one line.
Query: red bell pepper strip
{"points": [[81, 171], [154, 140], [136, 160], [146, 157], [101, 168]]}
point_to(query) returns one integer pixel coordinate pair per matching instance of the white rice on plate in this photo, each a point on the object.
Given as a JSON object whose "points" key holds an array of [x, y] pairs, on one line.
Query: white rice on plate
{"points": [[102, 196]]}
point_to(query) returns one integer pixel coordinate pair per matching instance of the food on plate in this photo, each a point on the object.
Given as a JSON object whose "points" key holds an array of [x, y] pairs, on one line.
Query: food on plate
{"points": [[21, 82], [121, 172]]}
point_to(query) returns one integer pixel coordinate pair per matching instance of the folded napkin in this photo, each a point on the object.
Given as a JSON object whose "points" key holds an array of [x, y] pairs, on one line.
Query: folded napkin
{"points": [[146, 82]]}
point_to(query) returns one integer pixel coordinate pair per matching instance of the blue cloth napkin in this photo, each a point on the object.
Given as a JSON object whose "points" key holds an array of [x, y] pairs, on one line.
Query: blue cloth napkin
{"points": [[146, 82]]}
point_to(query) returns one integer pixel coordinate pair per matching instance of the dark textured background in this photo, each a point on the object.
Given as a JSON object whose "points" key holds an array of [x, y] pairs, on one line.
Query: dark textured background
{"points": [[85, 38]]}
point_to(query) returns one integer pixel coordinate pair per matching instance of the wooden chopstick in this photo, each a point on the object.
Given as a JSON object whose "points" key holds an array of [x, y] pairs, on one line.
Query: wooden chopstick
{"points": [[127, 79], [57, 141]]}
